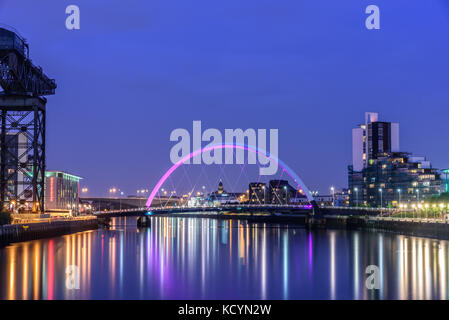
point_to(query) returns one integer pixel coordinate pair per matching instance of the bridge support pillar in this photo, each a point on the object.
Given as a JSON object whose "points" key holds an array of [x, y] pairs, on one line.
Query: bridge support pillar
{"points": [[313, 222], [316, 220], [144, 222]]}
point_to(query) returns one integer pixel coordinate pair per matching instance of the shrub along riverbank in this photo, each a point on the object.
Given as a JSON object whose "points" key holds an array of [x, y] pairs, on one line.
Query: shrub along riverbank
{"points": [[5, 218]]}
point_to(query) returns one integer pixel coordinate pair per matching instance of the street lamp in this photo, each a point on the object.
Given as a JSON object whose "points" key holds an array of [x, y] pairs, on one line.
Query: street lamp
{"points": [[12, 205], [286, 201], [120, 199], [426, 206], [112, 191], [356, 197], [380, 190], [399, 193]]}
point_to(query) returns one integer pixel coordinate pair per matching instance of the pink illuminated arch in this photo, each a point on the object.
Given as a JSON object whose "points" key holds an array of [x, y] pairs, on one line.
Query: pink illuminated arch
{"points": [[282, 165]]}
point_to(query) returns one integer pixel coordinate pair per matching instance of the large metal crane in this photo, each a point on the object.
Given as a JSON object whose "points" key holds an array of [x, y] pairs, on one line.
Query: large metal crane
{"points": [[22, 119]]}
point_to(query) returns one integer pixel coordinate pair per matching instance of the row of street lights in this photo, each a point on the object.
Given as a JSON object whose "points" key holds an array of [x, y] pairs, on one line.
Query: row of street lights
{"points": [[441, 206], [356, 191], [399, 191], [114, 190]]}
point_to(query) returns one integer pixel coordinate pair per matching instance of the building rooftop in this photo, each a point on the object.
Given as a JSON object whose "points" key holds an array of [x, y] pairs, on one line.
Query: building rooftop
{"points": [[50, 173]]}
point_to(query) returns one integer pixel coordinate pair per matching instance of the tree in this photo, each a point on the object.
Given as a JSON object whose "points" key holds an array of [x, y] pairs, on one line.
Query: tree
{"points": [[442, 198], [5, 218]]}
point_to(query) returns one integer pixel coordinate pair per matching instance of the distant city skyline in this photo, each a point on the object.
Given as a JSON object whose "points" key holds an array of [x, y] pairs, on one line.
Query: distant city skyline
{"points": [[132, 74]]}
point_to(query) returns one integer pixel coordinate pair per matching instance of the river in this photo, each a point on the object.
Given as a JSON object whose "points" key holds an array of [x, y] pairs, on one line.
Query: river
{"points": [[201, 258]]}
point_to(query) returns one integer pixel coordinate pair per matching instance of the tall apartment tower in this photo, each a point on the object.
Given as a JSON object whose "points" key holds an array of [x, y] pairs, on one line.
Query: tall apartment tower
{"points": [[372, 138]]}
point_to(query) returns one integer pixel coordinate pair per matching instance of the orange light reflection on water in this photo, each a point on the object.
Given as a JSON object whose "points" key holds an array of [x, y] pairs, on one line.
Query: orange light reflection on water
{"points": [[194, 250]]}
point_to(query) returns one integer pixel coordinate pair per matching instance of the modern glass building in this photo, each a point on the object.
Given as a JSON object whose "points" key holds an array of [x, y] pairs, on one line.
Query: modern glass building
{"points": [[61, 192], [394, 178], [381, 175], [446, 180]]}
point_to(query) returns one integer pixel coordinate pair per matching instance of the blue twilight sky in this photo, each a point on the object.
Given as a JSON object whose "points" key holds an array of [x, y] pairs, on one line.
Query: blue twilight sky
{"points": [[136, 70]]}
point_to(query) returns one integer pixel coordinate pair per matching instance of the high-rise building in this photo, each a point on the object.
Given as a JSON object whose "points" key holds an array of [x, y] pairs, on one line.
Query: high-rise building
{"points": [[372, 138], [381, 175]]}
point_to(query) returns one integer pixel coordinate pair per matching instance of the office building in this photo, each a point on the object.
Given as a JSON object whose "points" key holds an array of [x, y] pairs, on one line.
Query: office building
{"points": [[394, 178], [342, 198], [61, 192], [258, 193]]}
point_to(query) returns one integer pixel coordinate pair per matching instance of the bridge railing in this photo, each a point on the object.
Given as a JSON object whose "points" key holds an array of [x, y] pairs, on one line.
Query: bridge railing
{"points": [[249, 206], [227, 206], [119, 211], [238, 206], [363, 208]]}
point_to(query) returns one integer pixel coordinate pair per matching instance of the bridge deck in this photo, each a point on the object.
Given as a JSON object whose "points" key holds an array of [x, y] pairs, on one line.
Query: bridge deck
{"points": [[239, 209]]}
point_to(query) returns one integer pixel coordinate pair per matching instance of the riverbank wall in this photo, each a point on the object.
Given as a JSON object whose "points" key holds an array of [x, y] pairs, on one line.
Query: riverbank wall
{"points": [[33, 231], [419, 228]]}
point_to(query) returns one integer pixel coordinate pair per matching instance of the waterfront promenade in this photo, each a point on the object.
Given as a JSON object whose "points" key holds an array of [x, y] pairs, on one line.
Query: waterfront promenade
{"points": [[52, 228]]}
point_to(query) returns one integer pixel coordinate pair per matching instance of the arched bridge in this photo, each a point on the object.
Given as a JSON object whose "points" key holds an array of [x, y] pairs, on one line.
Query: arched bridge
{"points": [[313, 209], [310, 210]]}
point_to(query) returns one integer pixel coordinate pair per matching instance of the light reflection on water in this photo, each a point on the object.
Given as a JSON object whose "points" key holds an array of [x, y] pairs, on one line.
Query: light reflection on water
{"points": [[180, 258]]}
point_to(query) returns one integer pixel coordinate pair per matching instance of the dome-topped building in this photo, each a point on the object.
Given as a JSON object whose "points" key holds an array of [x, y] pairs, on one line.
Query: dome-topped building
{"points": [[221, 196], [220, 187]]}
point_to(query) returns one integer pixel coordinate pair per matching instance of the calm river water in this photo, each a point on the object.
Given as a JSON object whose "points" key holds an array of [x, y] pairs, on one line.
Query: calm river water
{"points": [[194, 258]]}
